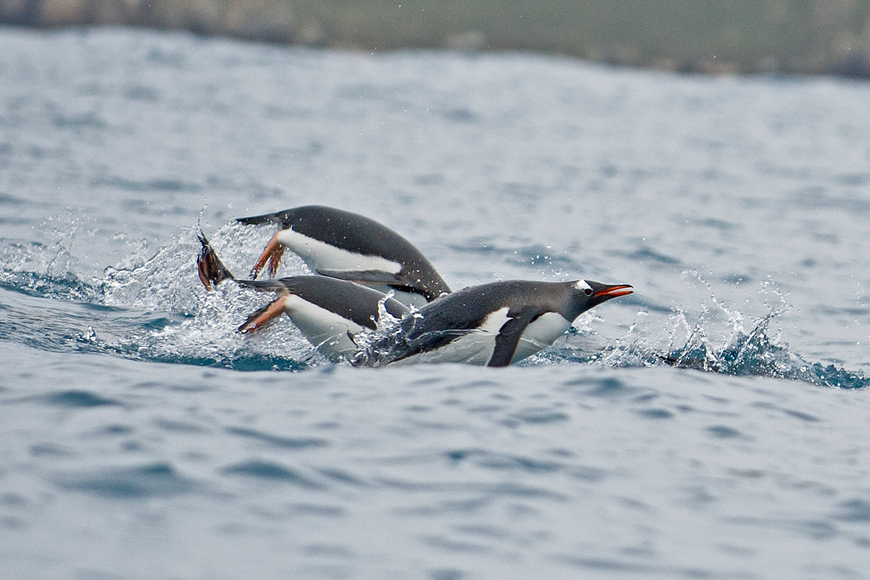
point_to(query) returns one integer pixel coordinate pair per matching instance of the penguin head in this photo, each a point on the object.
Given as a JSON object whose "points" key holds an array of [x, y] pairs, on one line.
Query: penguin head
{"points": [[589, 294]]}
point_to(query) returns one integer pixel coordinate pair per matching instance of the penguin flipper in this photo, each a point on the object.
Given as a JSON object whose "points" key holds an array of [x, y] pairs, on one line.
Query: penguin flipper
{"points": [[278, 217], [273, 285], [366, 276], [509, 337]]}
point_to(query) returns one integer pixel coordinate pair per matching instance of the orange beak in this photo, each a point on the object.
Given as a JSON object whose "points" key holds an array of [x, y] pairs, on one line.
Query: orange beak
{"points": [[614, 291]]}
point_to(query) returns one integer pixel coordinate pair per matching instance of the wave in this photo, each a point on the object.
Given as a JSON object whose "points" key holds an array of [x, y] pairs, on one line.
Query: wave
{"points": [[157, 311]]}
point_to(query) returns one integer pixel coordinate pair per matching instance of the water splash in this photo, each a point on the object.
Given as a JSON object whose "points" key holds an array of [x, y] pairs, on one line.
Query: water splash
{"points": [[168, 280], [40, 269], [736, 352], [206, 333], [155, 309], [210, 336], [152, 309], [374, 348], [758, 354]]}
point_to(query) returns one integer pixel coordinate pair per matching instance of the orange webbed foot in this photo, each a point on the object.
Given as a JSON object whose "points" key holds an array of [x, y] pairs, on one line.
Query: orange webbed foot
{"points": [[264, 315], [271, 254]]}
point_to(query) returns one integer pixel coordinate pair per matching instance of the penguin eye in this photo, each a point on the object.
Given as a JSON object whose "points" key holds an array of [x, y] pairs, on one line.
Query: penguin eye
{"points": [[588, 292]]}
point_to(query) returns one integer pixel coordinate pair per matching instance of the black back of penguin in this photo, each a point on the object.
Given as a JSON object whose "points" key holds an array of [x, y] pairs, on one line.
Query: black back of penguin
{"points": [[351, 301], [361, 235], [467, 308]]}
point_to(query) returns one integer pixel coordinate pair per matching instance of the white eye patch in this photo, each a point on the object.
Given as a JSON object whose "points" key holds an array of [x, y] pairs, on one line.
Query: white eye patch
{"points": [[582, 285]]}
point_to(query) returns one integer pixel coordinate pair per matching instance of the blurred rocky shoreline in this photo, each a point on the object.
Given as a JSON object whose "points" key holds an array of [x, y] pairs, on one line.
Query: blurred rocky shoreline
{"points": [[261, 20], [692, 36]]}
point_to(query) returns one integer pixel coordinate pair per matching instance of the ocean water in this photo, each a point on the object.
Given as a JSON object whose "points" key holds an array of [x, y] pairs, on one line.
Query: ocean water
{"points": [[715, 424]]}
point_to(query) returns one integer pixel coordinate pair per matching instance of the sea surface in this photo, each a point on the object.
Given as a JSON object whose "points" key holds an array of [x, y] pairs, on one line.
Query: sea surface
{"points": [[715, 424]]}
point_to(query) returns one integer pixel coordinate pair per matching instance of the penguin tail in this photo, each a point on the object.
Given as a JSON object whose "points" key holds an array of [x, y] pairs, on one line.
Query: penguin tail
{"points": [[209, 267]]}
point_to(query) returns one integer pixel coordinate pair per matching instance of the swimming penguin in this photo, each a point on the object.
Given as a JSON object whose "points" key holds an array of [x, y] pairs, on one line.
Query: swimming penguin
{"points": [[493, 324], [345, 245], [329, 312]]}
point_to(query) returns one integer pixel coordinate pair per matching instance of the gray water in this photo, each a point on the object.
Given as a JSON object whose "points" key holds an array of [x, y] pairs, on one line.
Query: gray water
{"points": [[712, 425]]}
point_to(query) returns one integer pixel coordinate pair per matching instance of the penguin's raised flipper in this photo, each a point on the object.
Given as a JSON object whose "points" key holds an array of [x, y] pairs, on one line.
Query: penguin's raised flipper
{"points": [[273, 284], [366, 276], [278, 217], [509, 337]]}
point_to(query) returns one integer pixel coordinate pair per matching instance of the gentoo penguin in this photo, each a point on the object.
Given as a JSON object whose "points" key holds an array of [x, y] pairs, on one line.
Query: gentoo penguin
{"points": [[329, 312], [493, 324], [345, 245]]}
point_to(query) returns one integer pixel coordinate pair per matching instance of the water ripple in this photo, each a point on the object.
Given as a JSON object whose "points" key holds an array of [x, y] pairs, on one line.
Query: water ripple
{"points": [[152, 480], [273, 471], [276, 440], [77, 399]]}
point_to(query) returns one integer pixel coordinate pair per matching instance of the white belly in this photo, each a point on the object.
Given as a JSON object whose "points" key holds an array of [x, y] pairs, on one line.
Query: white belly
{"points": [[540, 334], [327, 331], [319, 255]]}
